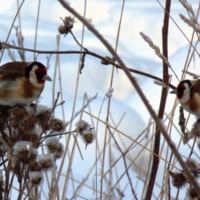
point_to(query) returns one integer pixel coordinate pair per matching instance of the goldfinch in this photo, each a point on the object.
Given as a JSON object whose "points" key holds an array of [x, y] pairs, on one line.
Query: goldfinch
{"points": [[188, 93], [21, 82]]}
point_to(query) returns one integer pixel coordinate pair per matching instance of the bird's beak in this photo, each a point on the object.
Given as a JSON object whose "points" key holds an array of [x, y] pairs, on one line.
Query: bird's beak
{"points": [[46, 78], [175, 91]]}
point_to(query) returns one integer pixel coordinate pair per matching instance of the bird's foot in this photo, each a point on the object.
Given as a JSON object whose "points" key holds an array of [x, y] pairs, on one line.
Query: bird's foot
{"points": [[34, 106]]}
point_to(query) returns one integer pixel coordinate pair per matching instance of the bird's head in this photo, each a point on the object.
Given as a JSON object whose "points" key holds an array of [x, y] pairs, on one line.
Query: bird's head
{"points": [[36, 72], [183, 90]]}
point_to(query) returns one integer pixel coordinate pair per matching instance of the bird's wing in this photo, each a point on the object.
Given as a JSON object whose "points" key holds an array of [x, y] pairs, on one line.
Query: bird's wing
{"points": [[10, 75], [196, 87], [12, 70]]}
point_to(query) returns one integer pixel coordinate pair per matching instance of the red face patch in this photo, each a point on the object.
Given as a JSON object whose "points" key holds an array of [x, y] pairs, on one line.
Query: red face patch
{"points": [[180, 89], [40, 72]]}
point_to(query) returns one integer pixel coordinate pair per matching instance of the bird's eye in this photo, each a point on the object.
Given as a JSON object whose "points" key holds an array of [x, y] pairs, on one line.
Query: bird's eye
{"points": [[39, 74]]}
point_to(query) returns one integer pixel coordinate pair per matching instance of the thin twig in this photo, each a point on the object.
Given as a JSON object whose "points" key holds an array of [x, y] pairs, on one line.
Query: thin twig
{"points": [[125, 164], [109, 61]]}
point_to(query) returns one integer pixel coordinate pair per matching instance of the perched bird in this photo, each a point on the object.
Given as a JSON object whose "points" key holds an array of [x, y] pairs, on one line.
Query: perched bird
{"points": [[188, 93], [21, 82]]}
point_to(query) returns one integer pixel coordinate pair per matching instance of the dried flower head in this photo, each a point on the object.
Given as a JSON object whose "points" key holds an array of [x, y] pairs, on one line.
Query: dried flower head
{"points": [[68, 23], [195, 129], [35, 135], [52, 144], [46, 161], [192, 164], [16, 114], [192, 193], [24, 152], [56, 125], [58, 154], [29, 122], [35, 166], [36, 178], [194, 167], [178, 179], [81, 126], [88, 136], [43, 117]]}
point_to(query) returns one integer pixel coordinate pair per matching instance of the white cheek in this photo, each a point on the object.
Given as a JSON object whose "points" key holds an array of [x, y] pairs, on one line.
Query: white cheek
{"points": [[186, 96], [33, 79]]}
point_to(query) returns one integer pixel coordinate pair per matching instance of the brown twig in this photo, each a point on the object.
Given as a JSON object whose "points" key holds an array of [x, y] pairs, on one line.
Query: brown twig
{"points": [[163, 99], [140, 93], [105, 59]]}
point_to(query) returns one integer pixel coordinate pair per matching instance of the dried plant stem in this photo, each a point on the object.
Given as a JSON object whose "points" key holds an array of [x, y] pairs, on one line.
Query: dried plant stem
{"points": [[36, 28], [110, 61], [161, 111], [141, 94]]}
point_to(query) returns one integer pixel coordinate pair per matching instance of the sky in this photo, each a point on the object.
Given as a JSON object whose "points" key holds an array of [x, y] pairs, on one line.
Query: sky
{"points": [[139, 16]]}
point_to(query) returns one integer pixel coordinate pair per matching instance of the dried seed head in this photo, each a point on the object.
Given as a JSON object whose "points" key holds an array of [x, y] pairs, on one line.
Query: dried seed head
{"points": [[16, 114], [81, 126], [29, 122], [63, 30], [178, 180], [35, 136], [58, 154], [46, 161], [43, 118], [68, 24], [52, 144], [56, 125], [36, 178], [24, 152], [194, 167], [191, 164], [192, 193], [88, 136], [196, 129], [35, 166]]}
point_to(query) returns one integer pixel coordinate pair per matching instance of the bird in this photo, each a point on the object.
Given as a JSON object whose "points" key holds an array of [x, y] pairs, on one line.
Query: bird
{"points": [[188, 93], [21, 82]]}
